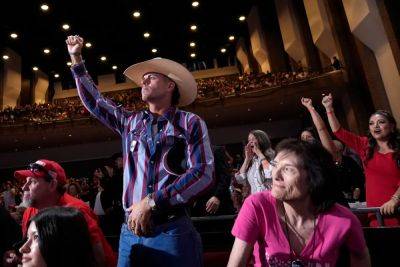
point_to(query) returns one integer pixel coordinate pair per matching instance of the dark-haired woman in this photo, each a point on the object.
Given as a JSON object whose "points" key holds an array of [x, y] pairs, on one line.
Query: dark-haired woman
{"points": [[380, 153], [256, 170], [58, 237], [297, 223]]}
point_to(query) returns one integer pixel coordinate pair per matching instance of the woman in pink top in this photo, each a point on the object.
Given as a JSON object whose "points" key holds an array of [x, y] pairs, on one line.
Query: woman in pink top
{"points": [[297, 223], [380, 153]]}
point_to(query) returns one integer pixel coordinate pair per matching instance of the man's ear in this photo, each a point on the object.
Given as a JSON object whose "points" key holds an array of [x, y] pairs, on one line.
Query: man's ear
{"points": [[171, 86], [53, 185]]}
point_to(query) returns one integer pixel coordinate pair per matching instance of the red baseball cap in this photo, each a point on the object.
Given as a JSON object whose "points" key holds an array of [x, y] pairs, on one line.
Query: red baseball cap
{"points": [[41, 169]]}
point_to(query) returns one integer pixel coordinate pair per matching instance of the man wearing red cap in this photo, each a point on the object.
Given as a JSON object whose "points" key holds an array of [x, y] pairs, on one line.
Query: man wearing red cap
{"points": [[44, 187]]}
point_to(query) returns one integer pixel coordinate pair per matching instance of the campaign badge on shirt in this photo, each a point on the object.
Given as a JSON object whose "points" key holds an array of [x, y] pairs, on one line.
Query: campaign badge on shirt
{"points": [[133, 145]]}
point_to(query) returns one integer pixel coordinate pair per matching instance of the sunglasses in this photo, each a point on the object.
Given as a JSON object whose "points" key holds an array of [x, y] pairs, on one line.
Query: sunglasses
{"points": [[37, 168]]}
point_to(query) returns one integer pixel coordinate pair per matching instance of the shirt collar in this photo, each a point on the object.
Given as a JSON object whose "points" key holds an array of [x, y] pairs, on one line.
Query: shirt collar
{"points": [[168, 114]]}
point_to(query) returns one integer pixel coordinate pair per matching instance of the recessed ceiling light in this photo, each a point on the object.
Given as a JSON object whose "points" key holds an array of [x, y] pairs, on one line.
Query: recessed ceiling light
{"points": [[44, 7], [35, 68], [193, 27], [103, 58], [193, 55], [114, 67], [223, 50], [146, 35], [231, 38], [65, 26], [14, 35], [192, 44], [69, 63], [136, 14], [56, 75], [88, 45], [6, 57], [46, 51], [154, 50], [242, 18], [195, 4]]}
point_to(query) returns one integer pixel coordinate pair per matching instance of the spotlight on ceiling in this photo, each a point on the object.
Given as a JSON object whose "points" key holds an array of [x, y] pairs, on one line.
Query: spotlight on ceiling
{"points": [[88, 45], [103, 58], [35, 68], [6, 57], [223, 50], [192, 44], [231, 38], [136, 14], [193, 27], [69, 63], [242, 18], [56, 75], [65, 27], [13, 35], [195, 4], [46, 51], [154, 50], [44, 7], [114, 67], [193, 55], [146, 35]]}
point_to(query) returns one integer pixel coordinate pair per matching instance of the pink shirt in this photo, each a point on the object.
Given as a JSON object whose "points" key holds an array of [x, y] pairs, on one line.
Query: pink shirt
{"points": [[258, 223]]}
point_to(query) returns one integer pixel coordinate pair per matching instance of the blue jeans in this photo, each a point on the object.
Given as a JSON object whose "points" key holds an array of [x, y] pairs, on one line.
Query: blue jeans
{"points": [[175, 243]]}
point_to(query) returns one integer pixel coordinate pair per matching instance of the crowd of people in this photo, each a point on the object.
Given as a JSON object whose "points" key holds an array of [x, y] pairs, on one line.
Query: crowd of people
{"points": [[218, 87], [292, 208]]}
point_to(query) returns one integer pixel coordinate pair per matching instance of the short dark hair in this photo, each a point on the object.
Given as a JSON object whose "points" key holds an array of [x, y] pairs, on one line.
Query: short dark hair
{"points": [[175, 96], [320, 168], [64, 238]]}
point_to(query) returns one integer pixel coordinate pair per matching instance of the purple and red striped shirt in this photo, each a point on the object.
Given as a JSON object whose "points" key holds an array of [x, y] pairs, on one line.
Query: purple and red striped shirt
{"points": [[145, 150]]}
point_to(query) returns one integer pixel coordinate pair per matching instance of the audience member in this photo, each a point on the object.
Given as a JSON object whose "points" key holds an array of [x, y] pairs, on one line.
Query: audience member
{"points": [[297, 223]]}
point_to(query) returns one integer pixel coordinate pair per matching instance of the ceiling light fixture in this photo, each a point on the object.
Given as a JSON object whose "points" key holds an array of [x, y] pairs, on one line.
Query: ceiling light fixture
{"points": [[44, 7], [65, 27], [193, 27], [154, 50], [35, 68], [193, 55], [103, 58], [192, 44], [195, 4], [223, 50], [46, 51], [114, 67], [14, 35], [56, 75], [136, 14], [242, 18], [69, 63], [6, 57], [231, 38], [88, 45], [146, 35]]}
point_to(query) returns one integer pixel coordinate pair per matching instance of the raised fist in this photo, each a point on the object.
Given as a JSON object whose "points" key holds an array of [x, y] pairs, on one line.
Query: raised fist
{"points": [[74, 44], [307, 102], [327, 101]]}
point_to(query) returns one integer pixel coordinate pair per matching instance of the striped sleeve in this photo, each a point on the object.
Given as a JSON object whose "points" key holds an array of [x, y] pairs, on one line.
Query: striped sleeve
{"points": [[199, 176], [100, 107]]}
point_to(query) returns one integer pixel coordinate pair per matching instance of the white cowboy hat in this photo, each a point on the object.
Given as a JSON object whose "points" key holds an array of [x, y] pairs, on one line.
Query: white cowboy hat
{"points": [[179, 74]]}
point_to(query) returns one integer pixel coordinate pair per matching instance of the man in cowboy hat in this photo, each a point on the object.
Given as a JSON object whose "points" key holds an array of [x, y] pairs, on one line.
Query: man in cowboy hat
{"points": [[158, 231]]}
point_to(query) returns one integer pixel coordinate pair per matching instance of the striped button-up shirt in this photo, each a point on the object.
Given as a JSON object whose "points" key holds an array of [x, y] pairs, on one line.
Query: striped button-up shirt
{"points": [[146, 141]]}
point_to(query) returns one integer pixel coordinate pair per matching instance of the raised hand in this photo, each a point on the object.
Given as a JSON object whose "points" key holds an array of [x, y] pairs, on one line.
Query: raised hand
{"points": [[74, 44], [307, 102], [249, 151], [327, 101]]}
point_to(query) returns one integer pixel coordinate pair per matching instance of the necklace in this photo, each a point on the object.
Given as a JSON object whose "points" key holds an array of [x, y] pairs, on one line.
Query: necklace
{"points": [[297, 262]]}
